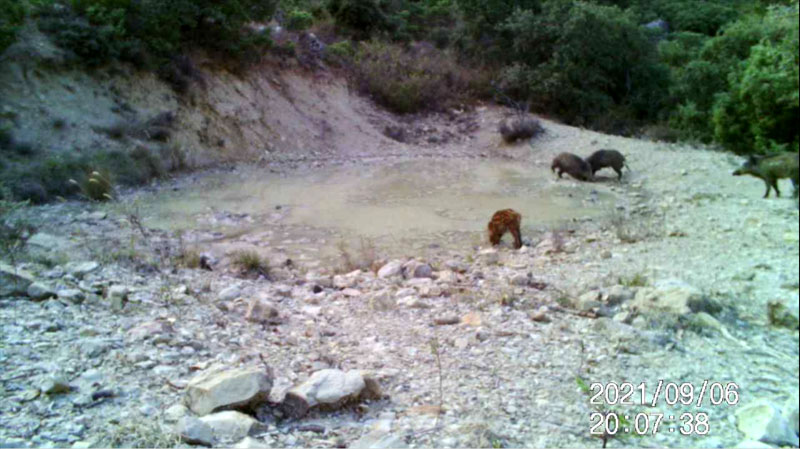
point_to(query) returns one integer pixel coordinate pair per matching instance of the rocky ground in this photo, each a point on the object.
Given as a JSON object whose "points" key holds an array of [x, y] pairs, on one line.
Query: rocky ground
{"points": [[107, 339]]}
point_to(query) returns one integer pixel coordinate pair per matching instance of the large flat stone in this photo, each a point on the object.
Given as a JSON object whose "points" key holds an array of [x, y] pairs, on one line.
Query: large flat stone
{"points": [[14, 282], [228, 388]]}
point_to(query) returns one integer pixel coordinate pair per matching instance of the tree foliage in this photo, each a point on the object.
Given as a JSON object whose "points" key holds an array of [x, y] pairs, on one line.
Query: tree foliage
{"points": [[582, 60], [152, 31], [12, 14]]}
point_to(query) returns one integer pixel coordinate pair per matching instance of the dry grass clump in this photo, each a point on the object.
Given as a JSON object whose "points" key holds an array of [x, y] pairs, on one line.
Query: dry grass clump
{"points": [[189, 258], [410, 80], [632, 229], [520, 128], [364, 258], [249, 262], [96, 187]]}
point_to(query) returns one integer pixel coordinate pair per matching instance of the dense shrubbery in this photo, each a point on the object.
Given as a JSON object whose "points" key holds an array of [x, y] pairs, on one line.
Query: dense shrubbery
{"points": [[584, 63], [12, 13], [739, 88], [299, 20], [150, 32], [760, 111]]}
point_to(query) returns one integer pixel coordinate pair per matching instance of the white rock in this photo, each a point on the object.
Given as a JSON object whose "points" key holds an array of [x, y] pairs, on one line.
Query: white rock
{"points": [[48, 241], [250, 443], [392, 268], [118, 295], [175, 413], [194, 431], [39, 291], [518, 279], [791, 412], [381, 300], [703, 320], [229, 293], [413, 302], [673, 297], [227, 388], [763, 421], [261, 311], [619, 294], [379, 440], [230, 425], [753, 444], [488, 256], [351, 293], [456, 266], [340, 281], [322, 281], [589, 300], [419, 282], [149, 329], [81, 269], [403, 292], [283, 290], [14, 281], [72, 295], [328, 387], [448, 276]]}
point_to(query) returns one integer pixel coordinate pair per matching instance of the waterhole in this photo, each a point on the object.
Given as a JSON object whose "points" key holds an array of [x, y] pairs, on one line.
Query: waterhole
{"points": [[394, 209]]}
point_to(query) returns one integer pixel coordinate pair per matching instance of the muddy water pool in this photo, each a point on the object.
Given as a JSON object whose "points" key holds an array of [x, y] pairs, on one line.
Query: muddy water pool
{"points": [[398, 208]]}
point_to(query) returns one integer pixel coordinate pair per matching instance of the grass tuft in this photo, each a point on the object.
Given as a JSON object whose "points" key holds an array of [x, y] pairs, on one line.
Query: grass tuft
{"points": [[250, 262], [520, 128]]}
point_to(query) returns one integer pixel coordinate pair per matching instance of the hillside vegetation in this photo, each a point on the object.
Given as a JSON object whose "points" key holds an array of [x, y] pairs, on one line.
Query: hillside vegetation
{"points": [[718, 72]]}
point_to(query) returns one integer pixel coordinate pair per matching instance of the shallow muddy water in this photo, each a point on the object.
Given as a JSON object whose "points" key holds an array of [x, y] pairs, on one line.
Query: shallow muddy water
{"points": [[401, 208]]}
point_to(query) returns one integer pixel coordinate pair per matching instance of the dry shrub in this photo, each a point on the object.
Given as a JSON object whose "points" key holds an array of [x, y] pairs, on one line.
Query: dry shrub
{"points": [[421, 79], [365, 258], [96, 187], [520, 128], [249, 262], [632, 229], [189, 258]]}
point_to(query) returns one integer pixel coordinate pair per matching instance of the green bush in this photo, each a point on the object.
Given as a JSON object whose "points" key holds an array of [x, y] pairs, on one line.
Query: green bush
{"points": [[151, 32], [95, 38], [705, 17], [740, 87], [360, 17], [12, 14], [340, 52], [579, 61], [299, 20], [761, 112], [484, 16]]}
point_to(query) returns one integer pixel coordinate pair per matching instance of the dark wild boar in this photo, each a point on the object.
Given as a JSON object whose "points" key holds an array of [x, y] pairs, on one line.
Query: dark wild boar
{"points": [[572, 165], [607, 158], [771, 169]]}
